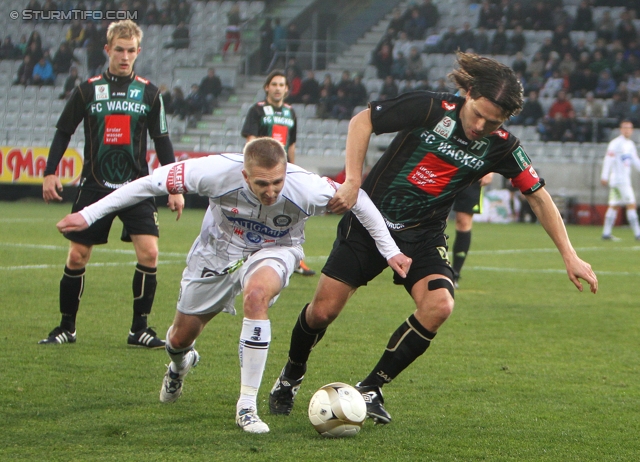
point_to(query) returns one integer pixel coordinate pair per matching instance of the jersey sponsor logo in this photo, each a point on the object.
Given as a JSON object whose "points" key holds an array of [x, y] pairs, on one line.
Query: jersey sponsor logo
{"points": [[448, 106], [238, 231], [445, 127], [175, 179], [479, 147], [331, 183], [282, 220], [393, 226], [135, 94], [432, 174], [102, 92], [502, 134], [459, 140], [119, 94], [443, 254], [140, 79], [117, 129], [521, 158], [268, 110], [253, 238], [286, 112], [378, 107], [256, 227]]}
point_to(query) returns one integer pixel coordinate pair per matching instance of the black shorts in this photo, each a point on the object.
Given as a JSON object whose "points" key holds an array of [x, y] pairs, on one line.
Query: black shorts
{"points": [[469, 200], [355, 259], [141, 218]]}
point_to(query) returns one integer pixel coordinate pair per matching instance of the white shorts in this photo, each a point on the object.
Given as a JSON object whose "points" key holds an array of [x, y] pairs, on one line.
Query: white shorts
{"points": [[621, 195], [210, 284]]}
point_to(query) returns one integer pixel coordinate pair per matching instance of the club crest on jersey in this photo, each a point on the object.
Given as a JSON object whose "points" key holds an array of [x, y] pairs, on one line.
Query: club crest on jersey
{"points": [[102, 92], [445, 127], [253, 238], [448, 106], [282, 220]]}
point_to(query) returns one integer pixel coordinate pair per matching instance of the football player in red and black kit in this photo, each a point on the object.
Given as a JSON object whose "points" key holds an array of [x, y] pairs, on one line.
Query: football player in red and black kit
{"points": [[118, 108], [444, 144]]}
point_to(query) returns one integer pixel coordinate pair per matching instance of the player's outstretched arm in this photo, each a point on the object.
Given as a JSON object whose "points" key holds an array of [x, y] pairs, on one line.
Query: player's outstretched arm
{"points": [[549, 216], [72, 222], [360, 129]]}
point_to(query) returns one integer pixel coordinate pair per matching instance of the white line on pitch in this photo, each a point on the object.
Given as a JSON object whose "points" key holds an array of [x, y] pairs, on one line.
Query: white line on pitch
{"points": [[109, 264], [95, 249], [553, 271]]}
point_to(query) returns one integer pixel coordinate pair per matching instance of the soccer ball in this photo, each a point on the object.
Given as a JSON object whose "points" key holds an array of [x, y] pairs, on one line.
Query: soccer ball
{"points": [[337, 410]]}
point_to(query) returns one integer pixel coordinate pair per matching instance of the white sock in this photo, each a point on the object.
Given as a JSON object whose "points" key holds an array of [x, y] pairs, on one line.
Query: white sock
{"points": [[252, 351], [609, 220], [178, 356], [632, 218]]}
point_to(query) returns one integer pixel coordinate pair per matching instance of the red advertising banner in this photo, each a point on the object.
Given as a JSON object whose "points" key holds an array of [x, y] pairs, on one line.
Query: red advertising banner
{"points": [[25, 165]]}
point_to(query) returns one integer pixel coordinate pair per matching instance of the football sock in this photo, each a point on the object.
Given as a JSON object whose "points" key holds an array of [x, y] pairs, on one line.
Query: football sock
{"points": [[408, 342], [303, 339], [460, 249], [252, 351], [632, 218], [71, 288], [177, 355], [144, 290], [609, 220]]}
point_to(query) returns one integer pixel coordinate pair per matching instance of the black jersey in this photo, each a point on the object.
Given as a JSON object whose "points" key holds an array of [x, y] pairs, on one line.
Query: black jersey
{"points": [[430, 160], [264, 119], [117, 113]]}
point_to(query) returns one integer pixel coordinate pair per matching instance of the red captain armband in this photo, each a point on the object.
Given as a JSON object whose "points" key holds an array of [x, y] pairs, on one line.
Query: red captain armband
{"points": [[175, 179], [527, 180]]}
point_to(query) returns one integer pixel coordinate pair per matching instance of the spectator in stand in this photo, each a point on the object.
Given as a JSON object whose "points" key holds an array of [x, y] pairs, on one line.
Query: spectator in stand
{"points": [[25, 72], [63, 59], [546, 48], [499, 41], [567, 65], [279, 37], [561, 106], [516, 42], [34, 52], [552, 86], [592, 108], [618, 108], [342, 106], [309, 89], [552, 64], [466, 38], [399, 67], [210, 88], [430, 13], [324, 107], [606, 85], [416, 25], [182, 13], [433, 41], [519, 63], [75, 34], [8, 50], [582, 81], [179, 106], [382, 60], [328, 85], [152, 15], [625, 31], [295, 82], [397, 21], [537, 64], [415, 68], [449, 41], [560, 123], [43, 72], [180, 37], [36, 38], [293, 38], [605, 26], [345, 83], [401, 45], [634, 109], [534, 82], [389, 89], [71, 82], [22, 45], [232, 32], [166, 96], [488, 15], [516, 16], [196, 105], [540, 17], [633, 84], [481, 44], [441, 86], [359, 93], [532, 112], [266, 41], [584, 17]]}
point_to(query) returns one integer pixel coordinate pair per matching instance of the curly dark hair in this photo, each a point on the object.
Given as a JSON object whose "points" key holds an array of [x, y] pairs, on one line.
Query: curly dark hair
{"points": [[485, 77]]}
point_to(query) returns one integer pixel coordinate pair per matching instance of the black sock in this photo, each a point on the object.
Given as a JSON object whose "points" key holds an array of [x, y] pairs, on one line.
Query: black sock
{"points": [[144, 291], [408, 342], [303, 339], [71, 288], [460, 249]]}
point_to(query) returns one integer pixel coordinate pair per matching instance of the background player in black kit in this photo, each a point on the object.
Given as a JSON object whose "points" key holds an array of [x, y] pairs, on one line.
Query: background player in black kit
{"points": [[118, 108], [276, 119], [444, 144]]}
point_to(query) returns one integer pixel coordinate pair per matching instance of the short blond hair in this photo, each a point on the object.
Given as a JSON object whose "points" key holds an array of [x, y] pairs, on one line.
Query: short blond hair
{"points": [[264, 152], [125, 29]]}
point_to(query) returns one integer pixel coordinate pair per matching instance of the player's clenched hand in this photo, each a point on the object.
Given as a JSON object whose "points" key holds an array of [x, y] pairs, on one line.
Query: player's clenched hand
{"points": [[578, 269], [176, 204], [400, 264], [51, 187], [344, 199], [72, 222]]}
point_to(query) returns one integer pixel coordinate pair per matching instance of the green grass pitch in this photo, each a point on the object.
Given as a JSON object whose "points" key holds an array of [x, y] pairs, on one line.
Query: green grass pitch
{"points": [[526, 369]]}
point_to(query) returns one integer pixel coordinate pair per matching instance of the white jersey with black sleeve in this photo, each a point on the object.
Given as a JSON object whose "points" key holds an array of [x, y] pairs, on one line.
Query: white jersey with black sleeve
{"points": [[621, 155], [236, 224]]}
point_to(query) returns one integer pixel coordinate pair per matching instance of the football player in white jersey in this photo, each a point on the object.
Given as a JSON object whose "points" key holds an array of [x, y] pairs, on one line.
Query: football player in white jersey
{"points": [[616, 173], [250, 241]]}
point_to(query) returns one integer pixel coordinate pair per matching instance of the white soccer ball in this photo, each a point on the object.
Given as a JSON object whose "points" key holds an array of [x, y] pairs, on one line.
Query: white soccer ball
{"points": [[337, 410]]}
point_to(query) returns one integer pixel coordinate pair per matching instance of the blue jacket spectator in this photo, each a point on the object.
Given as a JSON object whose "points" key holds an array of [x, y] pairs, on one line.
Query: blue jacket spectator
{"points": [[43, 73]]}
